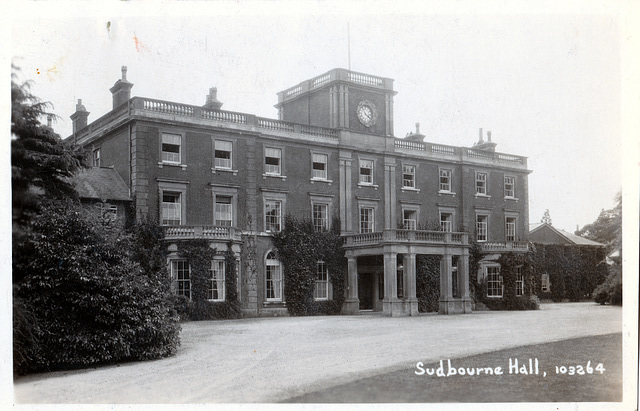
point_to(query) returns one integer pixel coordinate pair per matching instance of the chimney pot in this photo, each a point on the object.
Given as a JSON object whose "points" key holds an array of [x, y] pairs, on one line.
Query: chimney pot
{"points": [[212, 99], [121, 90], [79, 118]]}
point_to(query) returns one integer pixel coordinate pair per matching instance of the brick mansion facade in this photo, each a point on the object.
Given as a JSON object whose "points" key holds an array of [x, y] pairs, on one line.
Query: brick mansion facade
{"points": [[206, 173]]}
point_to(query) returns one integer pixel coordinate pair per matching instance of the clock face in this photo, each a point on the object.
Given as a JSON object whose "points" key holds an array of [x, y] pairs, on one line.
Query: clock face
{"points": [[367, 113]]}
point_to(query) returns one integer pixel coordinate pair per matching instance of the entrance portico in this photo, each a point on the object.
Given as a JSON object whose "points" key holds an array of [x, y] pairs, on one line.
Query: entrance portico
{"points": [[453, 249]]}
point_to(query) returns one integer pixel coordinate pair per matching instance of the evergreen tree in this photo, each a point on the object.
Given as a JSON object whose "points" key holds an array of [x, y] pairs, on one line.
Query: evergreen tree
{"points": [[40, 162], [607, 228], [546, 218]]}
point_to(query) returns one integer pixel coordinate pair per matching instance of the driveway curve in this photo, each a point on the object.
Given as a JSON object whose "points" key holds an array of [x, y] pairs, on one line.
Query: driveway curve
{"points": [[272, 359]]}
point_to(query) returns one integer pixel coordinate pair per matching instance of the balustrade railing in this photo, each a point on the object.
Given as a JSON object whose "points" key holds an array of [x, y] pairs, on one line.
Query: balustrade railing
{"points": [[275, 124], [227, 116], [499, 246], [403, 236], [440, 149], [319, 81], [364, 79], [201, 232], [167, 107], [411, 145]]}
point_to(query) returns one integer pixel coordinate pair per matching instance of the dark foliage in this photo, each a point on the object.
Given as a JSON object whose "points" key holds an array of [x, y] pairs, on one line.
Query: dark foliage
{"points": [[509, 264], [574, 271], [428, 282], [607, 229], [300, 248], [84, 299], [200, 255], [40, 162], [610, 291]]}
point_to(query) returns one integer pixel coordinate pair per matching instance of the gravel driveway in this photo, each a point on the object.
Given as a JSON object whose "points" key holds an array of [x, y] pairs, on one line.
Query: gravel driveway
{"points": [[272, 359]]}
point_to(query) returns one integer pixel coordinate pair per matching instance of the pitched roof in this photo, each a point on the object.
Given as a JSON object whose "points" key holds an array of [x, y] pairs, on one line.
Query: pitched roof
{"points": [[571, 238], [101, 183]]}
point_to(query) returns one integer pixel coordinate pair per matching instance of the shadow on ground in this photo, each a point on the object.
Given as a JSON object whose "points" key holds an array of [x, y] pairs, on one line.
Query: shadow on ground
{"points": [[588, 382]]}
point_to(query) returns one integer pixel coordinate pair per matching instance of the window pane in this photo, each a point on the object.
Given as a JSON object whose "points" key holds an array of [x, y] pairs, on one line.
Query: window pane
{"points": [[366, 171], [216, 290], [494, 282], [273, 278], [223, 211], [171, 208], [321, 289], [272, 216], [445, 180], [408, 176], [180, 271], [320, 220], [366, 220]]}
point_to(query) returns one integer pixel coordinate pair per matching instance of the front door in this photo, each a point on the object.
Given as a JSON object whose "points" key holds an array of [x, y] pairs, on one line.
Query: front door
{"points": [[365, 291]]}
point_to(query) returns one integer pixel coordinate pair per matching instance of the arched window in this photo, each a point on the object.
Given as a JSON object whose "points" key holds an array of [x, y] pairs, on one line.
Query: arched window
{"points": [[273, 278]]}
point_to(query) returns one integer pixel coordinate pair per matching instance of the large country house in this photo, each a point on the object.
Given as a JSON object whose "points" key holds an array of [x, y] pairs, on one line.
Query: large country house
{"points": [[207, 173]]}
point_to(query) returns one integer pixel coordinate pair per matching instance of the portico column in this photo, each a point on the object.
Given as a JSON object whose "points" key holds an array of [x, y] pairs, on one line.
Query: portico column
{"points": [[409, 262], [445, 277], [352, 304], [390, 303], [463, 275]]}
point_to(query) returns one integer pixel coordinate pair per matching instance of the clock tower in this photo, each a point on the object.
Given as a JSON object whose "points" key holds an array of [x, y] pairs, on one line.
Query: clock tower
{"points": [[342, 99]]}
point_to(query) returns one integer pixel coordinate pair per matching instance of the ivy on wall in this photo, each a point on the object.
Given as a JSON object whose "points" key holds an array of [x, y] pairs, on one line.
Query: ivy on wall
{"points": [[428, 282], [509, 264], [574, 271], [299, 248], [200, 255]]}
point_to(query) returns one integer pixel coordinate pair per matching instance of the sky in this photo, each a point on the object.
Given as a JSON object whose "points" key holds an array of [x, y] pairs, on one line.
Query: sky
{"points": [[547, 83]]}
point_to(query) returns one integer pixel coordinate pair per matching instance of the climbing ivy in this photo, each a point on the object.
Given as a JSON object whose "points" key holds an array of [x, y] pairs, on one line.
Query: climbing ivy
{"points": [[200, 254], [509, 263], [299, 248], [428, 282], [574, 271]]}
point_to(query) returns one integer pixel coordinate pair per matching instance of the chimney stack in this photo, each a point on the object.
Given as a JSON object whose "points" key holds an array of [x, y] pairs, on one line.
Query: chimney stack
{"points": [[489, 136], [480, 140], [49, 120], [79, 118], [411, 136], [212, 99], [121, 90]]}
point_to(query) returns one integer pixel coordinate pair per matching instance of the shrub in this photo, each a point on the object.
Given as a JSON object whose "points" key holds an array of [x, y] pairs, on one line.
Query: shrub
{"points": [[89, 302], [610, 291]]}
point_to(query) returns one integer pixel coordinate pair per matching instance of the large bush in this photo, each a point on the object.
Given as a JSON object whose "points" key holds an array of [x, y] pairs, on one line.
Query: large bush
{"points": [[83, 299], [610, 291]]}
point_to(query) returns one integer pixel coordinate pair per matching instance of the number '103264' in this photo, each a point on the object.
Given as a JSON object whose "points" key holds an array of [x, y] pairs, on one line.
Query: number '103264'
{"points": [[579, 369]]}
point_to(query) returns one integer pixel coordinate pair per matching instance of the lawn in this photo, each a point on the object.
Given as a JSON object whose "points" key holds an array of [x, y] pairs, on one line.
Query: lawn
{"points": [[593, 384]]}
